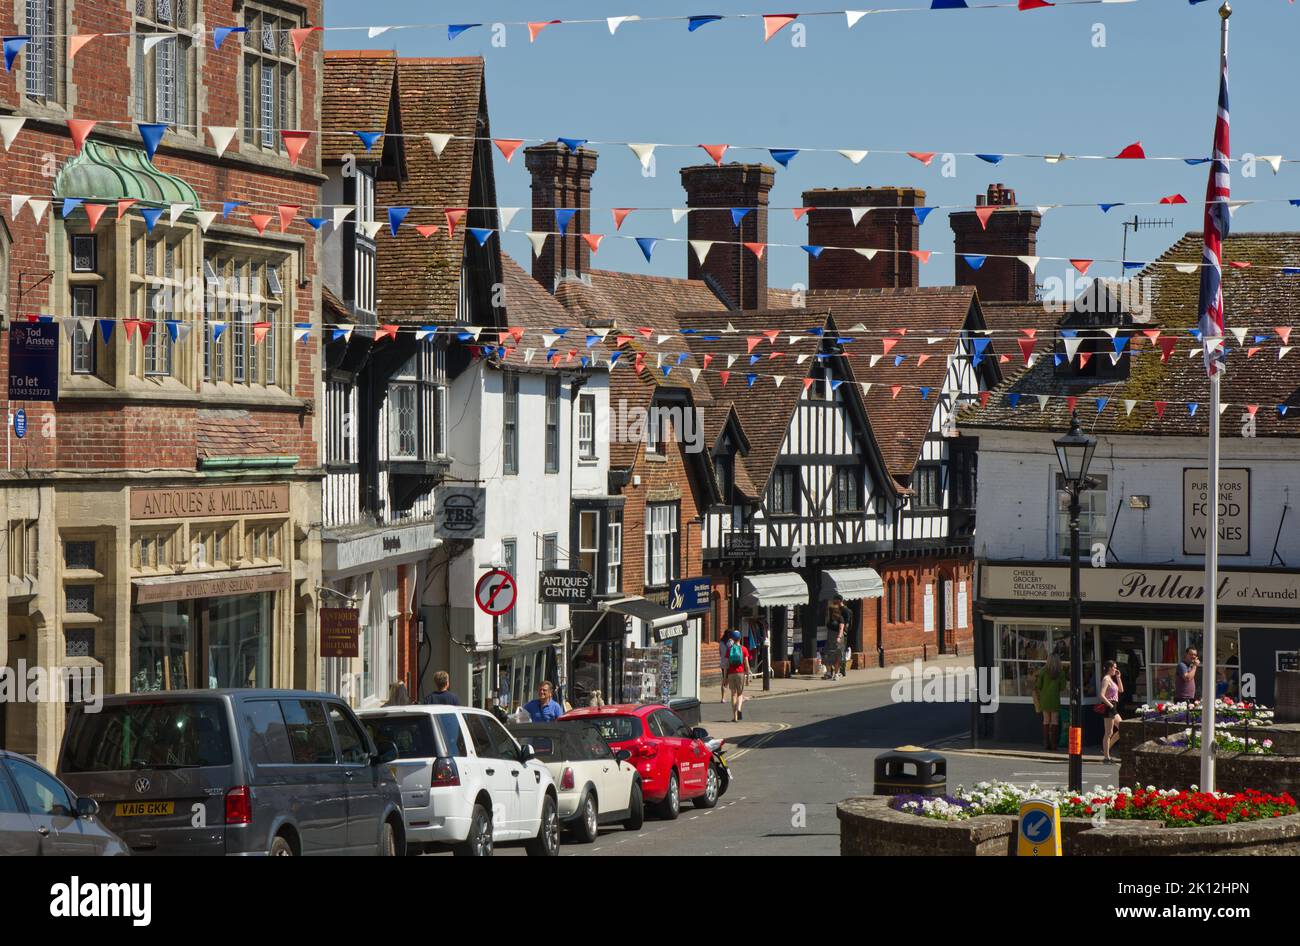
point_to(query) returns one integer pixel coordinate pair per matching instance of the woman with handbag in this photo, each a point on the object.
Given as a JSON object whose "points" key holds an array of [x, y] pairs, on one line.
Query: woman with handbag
{"points": [[1111, 688], [1047, 700]]}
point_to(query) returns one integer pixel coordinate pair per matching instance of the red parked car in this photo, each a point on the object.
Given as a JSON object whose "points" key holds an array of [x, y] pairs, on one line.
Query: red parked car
{"points": [[675, 764]]}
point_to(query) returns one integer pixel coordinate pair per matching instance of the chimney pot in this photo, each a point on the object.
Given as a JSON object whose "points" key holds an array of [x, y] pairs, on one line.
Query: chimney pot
{"points": [[890, 225], [1002, 237], [561, 179], [711, 193]]}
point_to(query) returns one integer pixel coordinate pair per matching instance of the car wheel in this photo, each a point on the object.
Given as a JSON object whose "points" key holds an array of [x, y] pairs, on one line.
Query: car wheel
{"points": [[547, 842], [710, 796], [585, 827], [671, 806], [281, 847], [479, 842], [388, 841], [635, 809]]}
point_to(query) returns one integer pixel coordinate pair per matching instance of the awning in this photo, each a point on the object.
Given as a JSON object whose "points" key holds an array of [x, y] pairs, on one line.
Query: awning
{"points": [[217, 584], [514, 646], [852, 583], [655, 615], [776, 590]]}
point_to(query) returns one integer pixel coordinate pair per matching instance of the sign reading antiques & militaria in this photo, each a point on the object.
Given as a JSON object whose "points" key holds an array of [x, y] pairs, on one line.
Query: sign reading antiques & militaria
{"points": [[200, 502], [340, 632]]}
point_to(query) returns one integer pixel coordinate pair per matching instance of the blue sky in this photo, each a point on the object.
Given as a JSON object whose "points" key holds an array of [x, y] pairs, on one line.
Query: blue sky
{"points": [[981, 80]]}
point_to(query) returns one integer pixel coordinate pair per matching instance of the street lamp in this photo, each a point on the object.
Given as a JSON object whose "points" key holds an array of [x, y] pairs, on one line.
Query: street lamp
{"points": [[1074, 453]]}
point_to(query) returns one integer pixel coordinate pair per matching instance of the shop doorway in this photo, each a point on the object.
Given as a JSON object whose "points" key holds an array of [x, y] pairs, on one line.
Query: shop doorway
{"points": [[1126, 646]]}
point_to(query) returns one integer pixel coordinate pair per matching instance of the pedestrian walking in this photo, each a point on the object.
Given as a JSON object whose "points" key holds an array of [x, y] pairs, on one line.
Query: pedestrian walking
{"points": [[1111, 688], [837, 623], [441, 695], [724, 645], [737, 672]]}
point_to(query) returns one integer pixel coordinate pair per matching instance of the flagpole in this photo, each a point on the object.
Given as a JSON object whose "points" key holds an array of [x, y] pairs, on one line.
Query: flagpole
{"points": [[1209, 644]]}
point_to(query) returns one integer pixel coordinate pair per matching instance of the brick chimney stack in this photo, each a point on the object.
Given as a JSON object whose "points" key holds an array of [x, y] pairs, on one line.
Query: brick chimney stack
{"points": [[711, 194], [561, 179], [893, 228], [1008, 232]]}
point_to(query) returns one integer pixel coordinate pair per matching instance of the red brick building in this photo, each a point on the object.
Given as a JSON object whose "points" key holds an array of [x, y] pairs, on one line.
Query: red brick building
{"points": [[163, 514]]}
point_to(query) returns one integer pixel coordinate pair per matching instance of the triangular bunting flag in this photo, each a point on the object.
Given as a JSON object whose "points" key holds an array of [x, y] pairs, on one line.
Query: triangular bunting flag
{"points": [[221, 136]]}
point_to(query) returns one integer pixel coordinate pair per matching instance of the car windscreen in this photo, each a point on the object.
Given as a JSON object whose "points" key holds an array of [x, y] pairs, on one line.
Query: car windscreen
{"points": [[616, 728], [149, 734], [412, 733]]}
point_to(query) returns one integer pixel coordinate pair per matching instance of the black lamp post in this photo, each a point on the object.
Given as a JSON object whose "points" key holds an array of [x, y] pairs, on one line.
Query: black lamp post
{"points": [[1074, 452]]}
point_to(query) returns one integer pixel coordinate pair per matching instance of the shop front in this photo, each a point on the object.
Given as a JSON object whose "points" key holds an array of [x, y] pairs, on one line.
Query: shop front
{"points": [[1144, 618], [771, 611]]}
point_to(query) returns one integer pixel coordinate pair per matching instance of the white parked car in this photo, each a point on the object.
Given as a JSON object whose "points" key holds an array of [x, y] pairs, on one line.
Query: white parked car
{"points": [[596, 784], [466, 783]]}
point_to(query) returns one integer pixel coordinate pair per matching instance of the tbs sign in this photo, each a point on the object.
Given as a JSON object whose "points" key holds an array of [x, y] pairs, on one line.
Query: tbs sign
{"points": [[461, 512]]}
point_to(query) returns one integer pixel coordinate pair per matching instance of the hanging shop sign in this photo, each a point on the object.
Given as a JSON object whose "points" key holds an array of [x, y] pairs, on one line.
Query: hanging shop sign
{"points": [[565, 586], [340, 632], [460, 512], [33, 361]]}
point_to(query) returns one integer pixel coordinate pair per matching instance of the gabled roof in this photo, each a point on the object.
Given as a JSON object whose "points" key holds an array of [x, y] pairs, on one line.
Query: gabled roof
{"points": [[356, 95], [1257, 298], [901, 423], [534, 310], [419, 278]]}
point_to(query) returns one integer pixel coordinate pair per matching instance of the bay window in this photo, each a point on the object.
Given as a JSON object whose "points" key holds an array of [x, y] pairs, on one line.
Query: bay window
{"points": [[247, 308], [417, 405]]}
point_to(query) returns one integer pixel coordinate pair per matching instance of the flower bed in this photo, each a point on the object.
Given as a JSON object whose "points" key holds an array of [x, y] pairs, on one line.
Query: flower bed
{"points": [[1226, 710], [1173, 809], [1226, 742]]}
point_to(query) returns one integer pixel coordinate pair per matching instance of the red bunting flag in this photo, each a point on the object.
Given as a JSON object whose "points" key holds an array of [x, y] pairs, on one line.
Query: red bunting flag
{"points": [[922, 359], [925, 157], [1239, 264], [707, 358], [639, 362], [895, 388], [620, 214], [922, 255], [1026, 348], [1082, 265], [771, 334], [592, 240], [774, 23], [386, 331], [261, 221], [621, 340], [756, 248], [124, 205], [753, 341], [807, 383], [299, 36], [93, 213], [1151, 333], [1030, 332], [1035, 4], [517, 333], [984, 213], [775, 354], [646, 331], [1173, 199], [1160, 408], [799, 212], [294, 142], [984, 399], [725, 376], [454, 216], [1133, 152], [1166, 347], [508, 147], [80, 128], [535, 28], [259, 331], [888, 345], [146, 329], [1251, 352], [716, 152], [1071, 403], [1003, 359], [1251, 409], [1284, 333], [287, 213], [1084, 358], [130, 325], [426, 230]]}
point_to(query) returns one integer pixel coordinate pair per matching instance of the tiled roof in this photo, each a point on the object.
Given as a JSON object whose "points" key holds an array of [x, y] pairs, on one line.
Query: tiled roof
{"points": [[334, 311], [418, 278], [357, 91], [233, 434], [900, 424], [1256, 298]]}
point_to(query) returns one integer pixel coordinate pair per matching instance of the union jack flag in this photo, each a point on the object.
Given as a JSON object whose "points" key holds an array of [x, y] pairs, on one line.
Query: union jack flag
{"points": [[1217, 216]]}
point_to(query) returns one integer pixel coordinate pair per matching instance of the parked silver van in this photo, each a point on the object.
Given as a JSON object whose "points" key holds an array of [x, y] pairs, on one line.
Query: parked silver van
{"points": [[278, 772]]}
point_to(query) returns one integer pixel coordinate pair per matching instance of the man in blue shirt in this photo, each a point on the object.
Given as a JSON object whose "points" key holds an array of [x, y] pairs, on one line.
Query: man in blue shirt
{"points": [[544, 708]]}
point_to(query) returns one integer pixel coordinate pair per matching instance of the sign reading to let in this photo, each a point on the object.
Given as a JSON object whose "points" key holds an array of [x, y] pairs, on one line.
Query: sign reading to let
{"points": [[1234, 511], [202, 502], [340, 631]]}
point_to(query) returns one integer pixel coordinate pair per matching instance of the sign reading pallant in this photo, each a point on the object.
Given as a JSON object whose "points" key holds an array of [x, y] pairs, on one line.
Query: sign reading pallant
{"points": [[201, 502], [1234, 511], [1138, 586]]}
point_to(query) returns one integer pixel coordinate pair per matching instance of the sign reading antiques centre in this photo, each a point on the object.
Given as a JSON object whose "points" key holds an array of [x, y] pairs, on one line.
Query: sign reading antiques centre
{"points": [[1234, 511], [199, 502], [1138, 586], [565, 586]]}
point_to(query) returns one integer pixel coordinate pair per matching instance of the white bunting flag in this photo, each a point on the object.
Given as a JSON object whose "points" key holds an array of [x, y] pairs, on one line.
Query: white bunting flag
{"points": [[16, 203], [346, 330], [1187, 268], [869, 254], [221, 136], [777, 379], [931, 339], [801, 359], [866, 387], [370, 227], [695, 374], [341, 214], [1112, 332], [875, 359], [374, 31], [10, 125], [616, 21], [730, 329], [661, 339], [1030, 261], [1240, 333], [1235, 205], [153, 39], [38, 208], [507, 215], [1223, 407], [1115, 357], [205, 218], [701, 248], [538, 240], [854, 156], [860, 327], [858, 213], [1071, 347], [548, 339], [731, 360], [473, 330], [424, 334], [183, 331], [795, 339], [645, 153], [1281, 352], [1042, 402], [175, 210], [528, 355], [1273, 160], [438, 141], [1128, 406], [1044, 208], [679, 214], [1056, 158], [855, 15]]}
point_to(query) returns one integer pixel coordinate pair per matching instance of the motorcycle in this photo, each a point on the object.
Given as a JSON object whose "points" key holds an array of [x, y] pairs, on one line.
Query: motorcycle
{"points": [[719, 762]]}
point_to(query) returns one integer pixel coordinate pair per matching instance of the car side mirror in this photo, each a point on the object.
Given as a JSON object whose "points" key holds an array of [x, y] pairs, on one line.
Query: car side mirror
{"points": [[622, 755], [700, 733], [526, 753], [387, 753], [87, 807]]}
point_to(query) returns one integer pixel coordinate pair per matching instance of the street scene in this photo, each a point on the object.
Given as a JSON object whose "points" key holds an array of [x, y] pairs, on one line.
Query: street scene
{"points": [[581, 432]]}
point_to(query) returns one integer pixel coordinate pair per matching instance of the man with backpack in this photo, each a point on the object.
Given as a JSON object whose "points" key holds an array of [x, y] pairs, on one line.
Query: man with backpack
{"points": [[737, 661]]}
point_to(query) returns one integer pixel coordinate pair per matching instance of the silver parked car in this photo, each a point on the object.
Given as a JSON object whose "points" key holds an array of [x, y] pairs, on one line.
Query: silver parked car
{"points": [[279, 772], [39, 815]]}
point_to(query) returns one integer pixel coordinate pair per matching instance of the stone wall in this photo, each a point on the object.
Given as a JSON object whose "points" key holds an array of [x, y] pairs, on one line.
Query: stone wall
{"points": [[1134, 733], [1175, 767], [869, 827]]}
